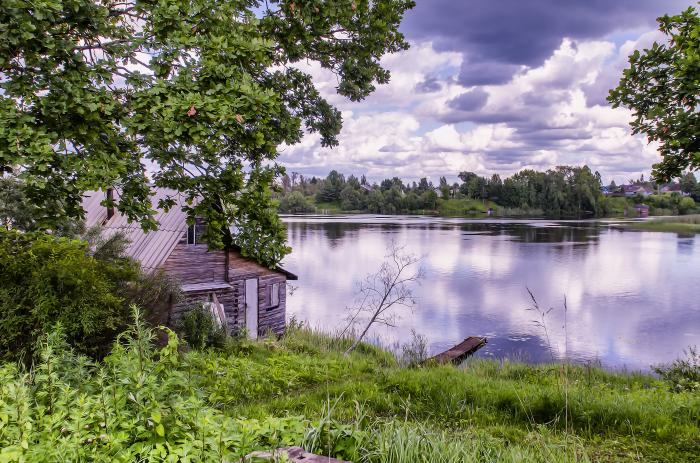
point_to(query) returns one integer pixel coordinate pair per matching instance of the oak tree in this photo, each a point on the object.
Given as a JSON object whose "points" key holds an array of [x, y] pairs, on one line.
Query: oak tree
{"points": [[193, 95], [662, 87]]}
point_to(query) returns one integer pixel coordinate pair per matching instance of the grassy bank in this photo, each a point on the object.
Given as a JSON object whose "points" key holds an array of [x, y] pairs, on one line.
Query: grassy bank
{"points": [[682, 224], [463, 207], [149, 405]]}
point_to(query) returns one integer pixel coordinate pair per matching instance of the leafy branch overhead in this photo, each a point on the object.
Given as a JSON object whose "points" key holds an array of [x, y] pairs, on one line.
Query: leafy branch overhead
{"points": [[191, 95], [662, 87]]}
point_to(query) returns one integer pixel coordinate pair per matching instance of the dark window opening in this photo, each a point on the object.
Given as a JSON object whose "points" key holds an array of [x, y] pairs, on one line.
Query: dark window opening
{"points": [[191, 236]]}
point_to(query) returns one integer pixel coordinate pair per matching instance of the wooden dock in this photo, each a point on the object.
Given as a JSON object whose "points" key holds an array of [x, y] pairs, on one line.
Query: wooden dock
{"points": [[459, 352]]}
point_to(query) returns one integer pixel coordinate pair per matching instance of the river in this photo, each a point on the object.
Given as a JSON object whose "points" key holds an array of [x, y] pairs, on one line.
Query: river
{"points": [[632, 298]]}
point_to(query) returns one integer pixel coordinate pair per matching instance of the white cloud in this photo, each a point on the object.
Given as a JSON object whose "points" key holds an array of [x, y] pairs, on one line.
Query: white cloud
{"points": [[545, 116]]}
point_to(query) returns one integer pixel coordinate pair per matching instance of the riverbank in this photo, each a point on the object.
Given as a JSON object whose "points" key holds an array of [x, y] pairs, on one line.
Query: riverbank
{"points": [[683, 224], [611, 207], [468, 208], [218, 405]]}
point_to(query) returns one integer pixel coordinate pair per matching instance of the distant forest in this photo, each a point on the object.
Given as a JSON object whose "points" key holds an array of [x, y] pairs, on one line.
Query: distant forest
{"points": [[560, 192]]}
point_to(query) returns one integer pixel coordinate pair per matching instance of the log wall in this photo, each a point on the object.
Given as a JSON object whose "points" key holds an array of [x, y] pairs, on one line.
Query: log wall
{"points": [[196, 264]]}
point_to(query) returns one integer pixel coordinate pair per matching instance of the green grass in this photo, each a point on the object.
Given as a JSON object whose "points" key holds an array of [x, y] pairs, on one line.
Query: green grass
{"points": [[619, 206], [217, 405], [549, 410], [681, 224], [328, 208], [463, 207]]}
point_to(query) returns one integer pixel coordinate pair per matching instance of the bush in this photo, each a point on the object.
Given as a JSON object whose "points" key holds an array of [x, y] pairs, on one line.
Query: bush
{"points": [[140, 404], [683, 374], [686, 205], [200, 330], [295, 203], [47, 281], [415, 351]]}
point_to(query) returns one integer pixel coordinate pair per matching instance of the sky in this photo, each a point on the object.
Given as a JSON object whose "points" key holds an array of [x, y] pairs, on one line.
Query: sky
{"points": [[495, 86]]}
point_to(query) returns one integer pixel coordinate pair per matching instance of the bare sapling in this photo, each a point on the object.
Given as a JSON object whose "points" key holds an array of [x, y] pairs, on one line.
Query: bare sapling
{"points": [[384, 292]]}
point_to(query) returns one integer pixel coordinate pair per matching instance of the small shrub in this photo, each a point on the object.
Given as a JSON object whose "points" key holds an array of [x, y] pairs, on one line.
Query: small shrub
{"points": [[200, 330], [415, 351], [682, 374]]}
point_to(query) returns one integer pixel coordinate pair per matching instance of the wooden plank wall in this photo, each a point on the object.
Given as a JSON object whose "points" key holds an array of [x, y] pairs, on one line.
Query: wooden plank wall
{"points": [[196, 264], [232, 300], [271, 318]]}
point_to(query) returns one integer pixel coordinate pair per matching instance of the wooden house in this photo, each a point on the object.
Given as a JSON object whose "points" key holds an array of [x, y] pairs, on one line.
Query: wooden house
{"points": [[240, 292], [636, 190]]}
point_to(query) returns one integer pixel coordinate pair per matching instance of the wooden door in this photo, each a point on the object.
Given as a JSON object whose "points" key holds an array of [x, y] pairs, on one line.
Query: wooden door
{"points": [[251, 307]]}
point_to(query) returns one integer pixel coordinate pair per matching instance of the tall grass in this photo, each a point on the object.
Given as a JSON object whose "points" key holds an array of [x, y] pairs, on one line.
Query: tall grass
{"points": [[401, 442], [147, 404]]}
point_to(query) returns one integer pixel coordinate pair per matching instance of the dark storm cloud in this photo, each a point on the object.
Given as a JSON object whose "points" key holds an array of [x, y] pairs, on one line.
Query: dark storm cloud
{"points": [[486, 73], [391, 162], [510, 155], [470, 101], [523, 32], [597, 92]]}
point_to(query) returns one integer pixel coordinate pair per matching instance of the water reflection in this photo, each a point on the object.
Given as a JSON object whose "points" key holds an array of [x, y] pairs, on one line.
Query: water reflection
{"points": [[630, 296]]}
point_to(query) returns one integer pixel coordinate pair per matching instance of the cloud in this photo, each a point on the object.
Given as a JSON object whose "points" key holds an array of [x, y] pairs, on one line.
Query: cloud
{"points": [[429, 85], [516, 32], [470, 100], [609, 76], [486, 73], [456, 107]]}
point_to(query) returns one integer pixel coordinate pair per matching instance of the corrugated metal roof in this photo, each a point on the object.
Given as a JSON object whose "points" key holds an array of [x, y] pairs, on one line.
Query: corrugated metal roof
{"points": [[152, 248]]}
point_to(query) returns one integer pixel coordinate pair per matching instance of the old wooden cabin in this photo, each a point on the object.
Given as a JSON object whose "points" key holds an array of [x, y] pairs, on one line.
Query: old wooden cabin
{"points": [[240, 292]]}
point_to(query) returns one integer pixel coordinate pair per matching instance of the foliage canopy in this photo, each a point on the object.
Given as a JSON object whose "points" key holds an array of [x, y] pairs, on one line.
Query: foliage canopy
{"points": [[662, 87], [197, 95]]}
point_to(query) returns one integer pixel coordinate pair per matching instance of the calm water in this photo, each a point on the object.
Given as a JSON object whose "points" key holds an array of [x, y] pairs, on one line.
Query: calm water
{"points": [[633, 297]]}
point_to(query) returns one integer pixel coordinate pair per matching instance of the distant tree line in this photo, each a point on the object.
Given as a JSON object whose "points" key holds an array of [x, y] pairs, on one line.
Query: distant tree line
{"points": [[391, 196], [563, 191], [559, 192]]}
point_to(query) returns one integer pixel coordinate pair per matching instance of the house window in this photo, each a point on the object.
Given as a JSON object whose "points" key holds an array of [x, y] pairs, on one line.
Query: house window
{"points": [[191, 235], [274, 295]]}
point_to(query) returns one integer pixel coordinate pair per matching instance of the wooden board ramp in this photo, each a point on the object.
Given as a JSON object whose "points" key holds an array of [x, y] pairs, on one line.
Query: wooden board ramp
{"points": [[293, 454], [459, 352]]}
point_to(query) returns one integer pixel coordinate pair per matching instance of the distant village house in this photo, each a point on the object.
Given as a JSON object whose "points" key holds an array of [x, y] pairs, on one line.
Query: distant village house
{"points": [[634, 190], [239, 292]]}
